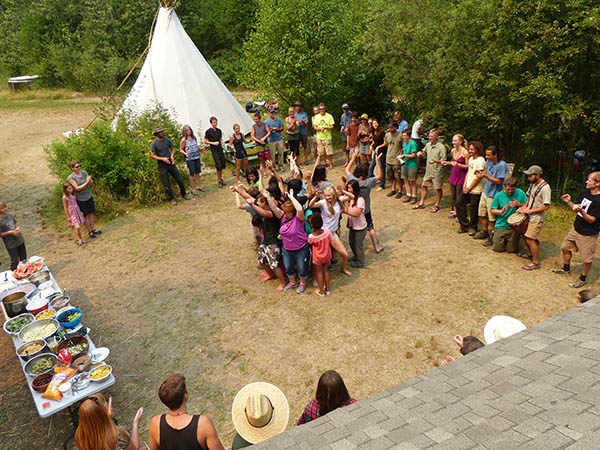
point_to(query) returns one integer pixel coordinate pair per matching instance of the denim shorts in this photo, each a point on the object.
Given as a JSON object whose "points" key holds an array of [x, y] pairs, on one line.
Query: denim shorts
{"points": [[296, 262], [193, 166]]}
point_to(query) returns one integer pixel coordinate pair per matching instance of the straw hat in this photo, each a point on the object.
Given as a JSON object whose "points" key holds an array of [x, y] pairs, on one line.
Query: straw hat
{"points": [[364, 116], [158, 130], [500, 327], [259, 411]]}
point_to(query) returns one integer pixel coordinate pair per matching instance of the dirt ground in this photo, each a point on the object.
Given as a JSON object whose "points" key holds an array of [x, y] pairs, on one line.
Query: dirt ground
{"points": [[177, 289]]}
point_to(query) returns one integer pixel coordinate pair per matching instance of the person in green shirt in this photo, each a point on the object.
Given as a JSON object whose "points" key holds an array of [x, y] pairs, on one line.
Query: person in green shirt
{"points": [[435, 152], [503, 206], [409, 167], [323, 124]]}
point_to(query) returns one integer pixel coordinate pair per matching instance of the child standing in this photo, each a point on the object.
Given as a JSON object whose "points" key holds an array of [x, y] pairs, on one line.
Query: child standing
{"points": [[321, 240], [357, 223], [72, 211]]}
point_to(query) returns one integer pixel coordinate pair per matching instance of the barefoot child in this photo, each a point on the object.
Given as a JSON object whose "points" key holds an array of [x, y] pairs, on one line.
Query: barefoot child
{"points": [[321, 240], [72, 211]]}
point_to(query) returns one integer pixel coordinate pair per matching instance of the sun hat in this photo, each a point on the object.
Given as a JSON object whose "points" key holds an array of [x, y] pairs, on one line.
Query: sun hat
{"points": [[533, 170], [297, 103], [158, 130], [364, 116], [500, 327], [259, 411], [345, 106]]}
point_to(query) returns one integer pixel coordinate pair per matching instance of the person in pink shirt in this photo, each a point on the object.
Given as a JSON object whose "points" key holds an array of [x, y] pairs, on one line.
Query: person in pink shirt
{"points": [[321, 239], [357, 224]]}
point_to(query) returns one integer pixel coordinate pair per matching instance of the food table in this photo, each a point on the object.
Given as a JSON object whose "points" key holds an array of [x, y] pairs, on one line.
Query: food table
{"points": [[47, 407]]}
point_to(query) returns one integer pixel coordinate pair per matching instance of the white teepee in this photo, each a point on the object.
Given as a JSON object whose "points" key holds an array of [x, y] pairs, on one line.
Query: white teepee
{"points": [[176, 75]]}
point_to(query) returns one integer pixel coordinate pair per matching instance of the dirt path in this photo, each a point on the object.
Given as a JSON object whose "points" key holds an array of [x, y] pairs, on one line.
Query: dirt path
{"points": [[176, 289]]}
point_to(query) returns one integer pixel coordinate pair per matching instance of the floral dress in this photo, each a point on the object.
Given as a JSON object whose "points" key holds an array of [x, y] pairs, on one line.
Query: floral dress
{"points": [[73, 211]]}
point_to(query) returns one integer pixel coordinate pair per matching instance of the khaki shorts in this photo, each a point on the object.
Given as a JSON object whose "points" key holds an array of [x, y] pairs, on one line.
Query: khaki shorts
{"points": [[409, 173], [533, 230], [324, 147], [429, 181], [392, 172], [585, 245], [277, 148], [485, 204]]}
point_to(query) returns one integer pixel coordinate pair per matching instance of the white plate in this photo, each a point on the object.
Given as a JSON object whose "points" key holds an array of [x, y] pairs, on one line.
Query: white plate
{"points": [[100, 354]]}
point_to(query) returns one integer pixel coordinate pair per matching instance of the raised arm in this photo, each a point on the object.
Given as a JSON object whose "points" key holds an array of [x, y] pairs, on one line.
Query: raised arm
{"points": [[350, 166], [273, 205], [297, 205], [258, 209], [378, 167]]}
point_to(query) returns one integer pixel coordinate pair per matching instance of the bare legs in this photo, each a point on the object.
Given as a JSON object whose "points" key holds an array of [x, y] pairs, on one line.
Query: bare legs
{"points": [[277, 273], [323, 278], [339, 247], [238, 167]]}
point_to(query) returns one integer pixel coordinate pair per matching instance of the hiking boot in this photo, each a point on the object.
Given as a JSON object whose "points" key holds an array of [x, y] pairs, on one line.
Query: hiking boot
{"points": [[407, 199], [482, 235], [399, 195], [391, 194], [413, 200], [578, 283], [561, 271], [472, 232]]}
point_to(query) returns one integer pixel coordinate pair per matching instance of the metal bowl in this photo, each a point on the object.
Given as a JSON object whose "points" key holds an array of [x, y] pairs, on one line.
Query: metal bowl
{"points": [[38, 324], [32, 362], [59, 300], [14, 333], [28, 356], [99, 380], [15, 303], [39, 277]]}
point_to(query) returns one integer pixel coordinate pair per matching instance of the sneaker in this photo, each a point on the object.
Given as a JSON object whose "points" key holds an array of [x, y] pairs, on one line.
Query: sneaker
{"points": [[354, 258], [561, 271], [399, 195], [328, 293], [462, 230], [391, 194], [407, 199], [379, 189], [92, 235], [195, 193], [578, 283], [201, 190], [488, 243], [290, 286], [97, 232], [451, 215], [472, 232], [481, 235], [413, 200], [173, 201], [319, 293], [301, 288], [357, 264]]}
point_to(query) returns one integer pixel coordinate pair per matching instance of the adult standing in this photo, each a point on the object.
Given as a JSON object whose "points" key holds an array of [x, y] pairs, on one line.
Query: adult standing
{"points": [[378, 147], [393, 143], [275, 138], [188, 146], [259, 133], [471, 191], [458, 172], [236, 142], [417, 132], [81, 182], [161, 149], [345, 120], [539, 196], [435, 152], [324, 123], [494, 174], [303, 120], [12, 237], [214, 137], [402, 124], [583, 235], [409, 167], [503, 206], [292, 126]]}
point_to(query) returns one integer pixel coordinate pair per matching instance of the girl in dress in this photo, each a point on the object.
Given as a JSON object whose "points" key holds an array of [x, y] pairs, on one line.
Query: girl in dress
{"points": [[72, 211], [460, 156]]}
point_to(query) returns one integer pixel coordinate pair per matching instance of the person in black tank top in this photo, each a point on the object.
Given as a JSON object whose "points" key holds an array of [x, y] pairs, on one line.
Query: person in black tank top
{"points": [[178, 430], [236, 142]]}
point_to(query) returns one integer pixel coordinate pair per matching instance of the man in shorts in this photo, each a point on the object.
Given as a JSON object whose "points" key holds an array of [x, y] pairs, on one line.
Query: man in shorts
{"points": [[584, 234], [409, 167], [539, 196], [275, 139], [352, 136], [494, 174], [324, 123], [161, 150], [345, 120], [302, 118], [435, 152], [393, 142], [259, 133], [503, 206], [214, 137]]}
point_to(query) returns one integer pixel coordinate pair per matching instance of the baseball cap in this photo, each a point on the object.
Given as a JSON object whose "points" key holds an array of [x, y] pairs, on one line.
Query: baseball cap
{"points": [[533, 170]]}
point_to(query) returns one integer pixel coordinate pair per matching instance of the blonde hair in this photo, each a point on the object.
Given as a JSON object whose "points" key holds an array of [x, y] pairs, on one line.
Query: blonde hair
{"points": [[330, 190], [463, 141], [288, 207]]}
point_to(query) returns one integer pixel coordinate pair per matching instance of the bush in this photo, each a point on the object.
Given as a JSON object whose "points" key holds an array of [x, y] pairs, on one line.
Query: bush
{"points": [[117, 158]]}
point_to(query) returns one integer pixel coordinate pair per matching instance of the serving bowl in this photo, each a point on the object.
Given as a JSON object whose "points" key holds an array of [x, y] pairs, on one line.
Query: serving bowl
{"points": [[26, 332], [77, 340], [37, 304], [27, 356], [59, 300], [15, 303], [46, 314], [39, 277], [82, 364], [14, 319], [41, 382], [98, 380], [32, 362], [62, 318]]}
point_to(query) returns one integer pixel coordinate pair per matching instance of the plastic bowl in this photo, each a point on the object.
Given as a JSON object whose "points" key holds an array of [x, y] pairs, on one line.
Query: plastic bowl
{"points": [[62, 317], [39, 309]]}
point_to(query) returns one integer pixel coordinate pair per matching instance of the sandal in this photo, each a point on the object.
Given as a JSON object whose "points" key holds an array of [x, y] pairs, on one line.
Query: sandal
{"points": [[418, 206], [434, 209], [524, 255], [531, 266], [80, 242]]}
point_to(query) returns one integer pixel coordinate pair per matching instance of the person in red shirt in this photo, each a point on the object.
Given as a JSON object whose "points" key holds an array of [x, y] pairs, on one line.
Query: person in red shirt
{"points": [[321, 240], [352, 144]]}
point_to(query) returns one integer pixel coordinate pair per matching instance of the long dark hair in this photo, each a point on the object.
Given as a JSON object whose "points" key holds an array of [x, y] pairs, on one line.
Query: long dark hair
{"points": [[331, 392], [251, 170], [355, 190], [319, 174], [184, 136]]}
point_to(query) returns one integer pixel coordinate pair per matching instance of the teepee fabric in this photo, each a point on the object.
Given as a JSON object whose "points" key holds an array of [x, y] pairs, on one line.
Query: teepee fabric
{"points": [[176, 75]]}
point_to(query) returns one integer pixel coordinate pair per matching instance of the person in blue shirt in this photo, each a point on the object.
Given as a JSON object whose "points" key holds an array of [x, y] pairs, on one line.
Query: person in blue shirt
{"points": [[345, 120], [494, 175], [276, 145], [303, 119], [402, 124]]}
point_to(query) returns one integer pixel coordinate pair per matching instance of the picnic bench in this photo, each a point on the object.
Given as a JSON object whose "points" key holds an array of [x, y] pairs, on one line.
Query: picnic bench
{"points": [[17, 83], [250, 150]]}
